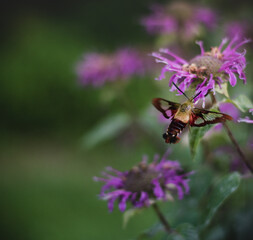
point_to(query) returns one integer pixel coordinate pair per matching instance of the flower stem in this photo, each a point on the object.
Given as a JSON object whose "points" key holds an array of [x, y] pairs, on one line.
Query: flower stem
{"points": [[162, 218], [231, 136], [233, 140]]}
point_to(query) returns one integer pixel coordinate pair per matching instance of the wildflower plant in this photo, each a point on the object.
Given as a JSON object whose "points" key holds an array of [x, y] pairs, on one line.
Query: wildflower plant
{"points": [[181, 19], [208, 77], [96, 69], [205, 72], [144, 184]]}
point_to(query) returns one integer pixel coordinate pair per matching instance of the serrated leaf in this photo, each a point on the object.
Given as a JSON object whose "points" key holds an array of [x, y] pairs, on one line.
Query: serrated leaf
{"points": [[130, 213], [107, 129], [184, 231], [221, 191], [222, 89], [152, 231], [242, 102], [195, 135]]}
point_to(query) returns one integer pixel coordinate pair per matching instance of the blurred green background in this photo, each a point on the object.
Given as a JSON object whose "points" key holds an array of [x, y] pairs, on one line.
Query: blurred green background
{"points": [[46, 185]]}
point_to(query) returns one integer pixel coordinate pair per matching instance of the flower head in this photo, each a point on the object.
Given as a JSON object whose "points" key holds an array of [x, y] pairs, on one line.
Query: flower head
{"points": [[179, 17], [144, 183], [159, 22], [206, 70], [96, 69]]}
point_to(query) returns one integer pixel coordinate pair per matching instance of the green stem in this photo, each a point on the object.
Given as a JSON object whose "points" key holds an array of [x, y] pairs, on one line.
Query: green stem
{"points": [[238, 149], [162, 218], [233, 140]]}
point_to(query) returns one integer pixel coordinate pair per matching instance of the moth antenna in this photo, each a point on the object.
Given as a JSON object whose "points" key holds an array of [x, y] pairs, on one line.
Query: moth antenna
{"points": [[181, 91], [196, 95]]}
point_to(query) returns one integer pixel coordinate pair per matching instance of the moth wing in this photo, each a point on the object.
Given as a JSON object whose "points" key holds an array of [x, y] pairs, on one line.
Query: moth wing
{"points": [[202, 117], [167, 108]]}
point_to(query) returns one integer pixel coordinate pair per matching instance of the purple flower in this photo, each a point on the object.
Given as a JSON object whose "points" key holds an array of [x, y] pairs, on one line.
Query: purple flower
{"points": [[177, 18], [207, 70], [247, 119], [205, 16], [159, 22], [236, 28], [235, 162], [144, 183], [230, 109], [96, 69], [237, 165]]}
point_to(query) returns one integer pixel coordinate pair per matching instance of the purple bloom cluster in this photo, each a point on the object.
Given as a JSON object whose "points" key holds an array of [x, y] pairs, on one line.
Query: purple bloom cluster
{"points": [[96, 69], [178, 17], [159, 22], [206, 70], [236, 28], [205, 16], [144, 183], [235, 163]]}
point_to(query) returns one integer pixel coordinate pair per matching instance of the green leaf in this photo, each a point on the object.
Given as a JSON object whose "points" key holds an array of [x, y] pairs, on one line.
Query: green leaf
{"points": [[221, 191], [184, 231], [195, 135], [242, 102], [223, 90], [155, 230], [129, 214], [107, 129]]}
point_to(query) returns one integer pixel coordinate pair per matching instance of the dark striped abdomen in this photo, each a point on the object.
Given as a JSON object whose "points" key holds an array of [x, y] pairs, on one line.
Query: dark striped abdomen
{"points": [[174, 129]]}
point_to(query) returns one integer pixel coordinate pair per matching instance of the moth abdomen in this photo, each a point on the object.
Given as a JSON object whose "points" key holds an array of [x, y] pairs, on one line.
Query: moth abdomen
{"points": [[174, 129]]}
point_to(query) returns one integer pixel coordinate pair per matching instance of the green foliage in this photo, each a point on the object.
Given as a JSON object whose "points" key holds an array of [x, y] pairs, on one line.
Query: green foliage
{"points": [[242, 102], [195, 135], [130, 213], [47, 184], [184, 231], [220, 192], [223, 89], [107, 129]]}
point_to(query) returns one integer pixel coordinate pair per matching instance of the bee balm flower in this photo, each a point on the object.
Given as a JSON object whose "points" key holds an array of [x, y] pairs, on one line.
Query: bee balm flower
{"points": [[206, 70], [179, 17], [144, 183], [96, 69]]}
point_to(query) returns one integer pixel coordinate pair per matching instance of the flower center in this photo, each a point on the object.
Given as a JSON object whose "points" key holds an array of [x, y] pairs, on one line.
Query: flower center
{"points": [[140, 178], [203, 66]]}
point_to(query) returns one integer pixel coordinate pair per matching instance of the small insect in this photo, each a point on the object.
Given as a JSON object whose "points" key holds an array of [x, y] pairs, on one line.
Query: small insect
{"points": [[182, 114]]}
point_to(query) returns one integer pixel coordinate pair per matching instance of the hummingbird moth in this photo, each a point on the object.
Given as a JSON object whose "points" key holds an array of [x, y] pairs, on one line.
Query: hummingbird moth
{"points": [[185, 113]]}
